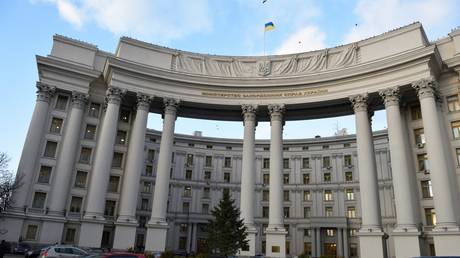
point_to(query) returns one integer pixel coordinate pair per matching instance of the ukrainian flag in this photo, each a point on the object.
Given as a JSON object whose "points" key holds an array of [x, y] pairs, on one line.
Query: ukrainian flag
{"points": [[269, 26]]}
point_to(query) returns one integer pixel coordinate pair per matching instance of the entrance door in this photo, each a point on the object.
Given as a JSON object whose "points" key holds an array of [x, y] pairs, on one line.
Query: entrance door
{"points": [[330, 249]]}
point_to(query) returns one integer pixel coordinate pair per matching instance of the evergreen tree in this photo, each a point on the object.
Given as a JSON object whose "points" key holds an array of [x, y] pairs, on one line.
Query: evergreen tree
{"points": [[226, 232]]}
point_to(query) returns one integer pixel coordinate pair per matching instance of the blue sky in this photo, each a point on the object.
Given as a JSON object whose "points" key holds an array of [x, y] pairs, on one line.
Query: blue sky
{"points": [[231, 27]]}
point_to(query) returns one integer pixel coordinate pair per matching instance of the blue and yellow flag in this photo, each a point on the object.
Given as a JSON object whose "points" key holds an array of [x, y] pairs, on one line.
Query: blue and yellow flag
{"points": [[269, 26]]}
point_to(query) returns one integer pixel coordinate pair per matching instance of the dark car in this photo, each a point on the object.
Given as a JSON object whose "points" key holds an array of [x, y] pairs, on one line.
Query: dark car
{"points": [[35, 252], [21, 248]]}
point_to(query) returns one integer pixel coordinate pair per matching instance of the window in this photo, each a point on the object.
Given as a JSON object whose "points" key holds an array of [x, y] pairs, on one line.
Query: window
{"points": [[191, 145], [347, 160], [113, 184], [147, 187], [422, 161], [326, 162], [327, 177], [75, 204], [427, 191], [186, 207], [416, 112], [306, 195], [285, 163], [306, 212], [50, 149], [39, 200], [346, 145], [330, 232], [94, 109], [306, 179], [117, 160], [285, 148], [189, 159], [31, 233], [327, 195], [286, 179], [182, 243], [85, 155], [348, 176], [44, 175], [419, 136], [208, 146], [351, 212], [265, 212], [325, 147], [353, 250], [207, 175], [56, 125], [266, 179], [70, 235], [80, 179], [305, 162], [144, 204], [286, 195], [227, 177], [228, 147], [225, 191], [90, 132], [266, 163], [188, 174], [286, 212], [352, 232], [124, 115], [142, 221], [187, 191], [150, 155], [350, 194], [206, 192], [266, 148], [110, 208], [328, 211], [205, 208], [304, 147], [148, 170], [228, 162], [121, 138], [306, 232], [430, 216], [455, 129], [457, 151], [452, 103], [172, 157], [265, 195], [183, 228], [208, 161], [61, 102]]}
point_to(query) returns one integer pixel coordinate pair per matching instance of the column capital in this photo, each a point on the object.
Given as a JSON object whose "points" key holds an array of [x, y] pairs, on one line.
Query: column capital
{"points": [[390, 96], [114, 95], [359, 102], [249, 112], [143, 101], [79, 99], [276, 111], [45, 92], [426, 88], [171, 105]]}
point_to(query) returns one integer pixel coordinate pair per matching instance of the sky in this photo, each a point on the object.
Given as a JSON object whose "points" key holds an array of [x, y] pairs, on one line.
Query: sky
{"points": [[225, 27]]}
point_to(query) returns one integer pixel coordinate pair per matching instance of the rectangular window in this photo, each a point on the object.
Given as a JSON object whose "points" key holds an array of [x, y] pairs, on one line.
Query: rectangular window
{"points": [[419, 136], [150, 155], [186, 207], [457, 151], [306, 195], [114, 181], [80, 179], [347, 160], [90, 132], [327, 177], [327, 195], [266, 179], [117, 160], [286, 195], [416, 112], [265, 212], [208, 161], [56, 125], [430, 217], [124, 115], [109, 209], [189, 159], [208, 146], [228, 162], [455, 129], [70, 235], [266, 163], [422, 161], [183, 228], [227, 177], [228, 147], [353, 250], [121, 138], [452, 103], [31, 233], [225, 191], [187, 191], [306, 212], [44, 175], [350, 194], [206, 192], [205, 208], [306, 179], [61, 102], [265, 195], [207, 175], [85, 155], [147, 187], [144, 204], [188, 174], [427, 191], [286, 179], [94, 110], [328, 211], [286, 163], [348, 176], [182, 243], [286, 212], [352, 232], [351, 212], [75, 204], [305, 162], [330, 232], [39, 200], [50, 149], [326, 162], [148, 170]]}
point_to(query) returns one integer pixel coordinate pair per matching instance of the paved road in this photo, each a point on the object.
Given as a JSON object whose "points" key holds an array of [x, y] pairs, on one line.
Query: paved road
{"points": [[13, 256]]}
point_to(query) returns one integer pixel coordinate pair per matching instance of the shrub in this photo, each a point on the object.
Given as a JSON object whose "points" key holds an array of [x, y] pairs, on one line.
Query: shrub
{"points": [[167, 254]]}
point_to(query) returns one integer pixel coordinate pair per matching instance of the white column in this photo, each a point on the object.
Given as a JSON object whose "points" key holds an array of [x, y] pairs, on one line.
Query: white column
{"points": [[64, 170], [32, 145], [125, 230], [318, 242], [446, 233], [276, 233], [248, 177], [339, 242], [92, 225], [157, 226], [406, 234], [345, 242], [370, 233]]}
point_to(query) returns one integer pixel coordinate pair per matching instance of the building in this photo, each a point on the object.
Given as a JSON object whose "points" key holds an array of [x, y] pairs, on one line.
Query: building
{"points": [[94, 175]]}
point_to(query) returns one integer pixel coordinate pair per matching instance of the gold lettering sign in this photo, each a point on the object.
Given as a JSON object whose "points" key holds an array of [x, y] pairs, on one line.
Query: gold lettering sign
{"points": [[242, 95]]}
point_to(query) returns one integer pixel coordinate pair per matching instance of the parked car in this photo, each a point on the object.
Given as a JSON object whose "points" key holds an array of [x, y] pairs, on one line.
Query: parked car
{"points": [[21, 248], [63, 251], [35, 252]]}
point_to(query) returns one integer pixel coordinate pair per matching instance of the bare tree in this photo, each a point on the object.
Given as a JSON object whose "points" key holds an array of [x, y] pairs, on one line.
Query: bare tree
{"points": [[8, 183]]}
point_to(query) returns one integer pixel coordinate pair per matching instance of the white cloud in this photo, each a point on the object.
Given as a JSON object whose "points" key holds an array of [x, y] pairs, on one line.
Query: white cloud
{"points": [[378, 16], [306, 39], [70, 13]]}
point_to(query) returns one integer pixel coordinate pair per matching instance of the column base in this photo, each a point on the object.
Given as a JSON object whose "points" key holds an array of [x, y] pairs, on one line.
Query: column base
{"points": [[275, 242], [91, 233], [156, 237], [407, 244], [51, 232], [446, 243], [251, 243], [11, 228], [371, 244], [125, 235]]}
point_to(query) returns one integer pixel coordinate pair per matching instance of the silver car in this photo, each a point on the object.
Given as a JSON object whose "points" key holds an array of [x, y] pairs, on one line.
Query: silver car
{"points": [[63, 251]]}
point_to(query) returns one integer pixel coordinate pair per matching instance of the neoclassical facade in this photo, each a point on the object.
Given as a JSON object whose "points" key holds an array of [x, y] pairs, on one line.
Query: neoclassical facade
{"points": [[94, 175]]}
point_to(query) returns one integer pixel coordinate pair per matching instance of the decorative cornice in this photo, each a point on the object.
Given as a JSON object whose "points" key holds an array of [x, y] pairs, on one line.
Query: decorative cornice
{"points": [[79, 100], [390, 96], [359, 102], [45, 92], [114, 95], [426, 88], [143, 101]]}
